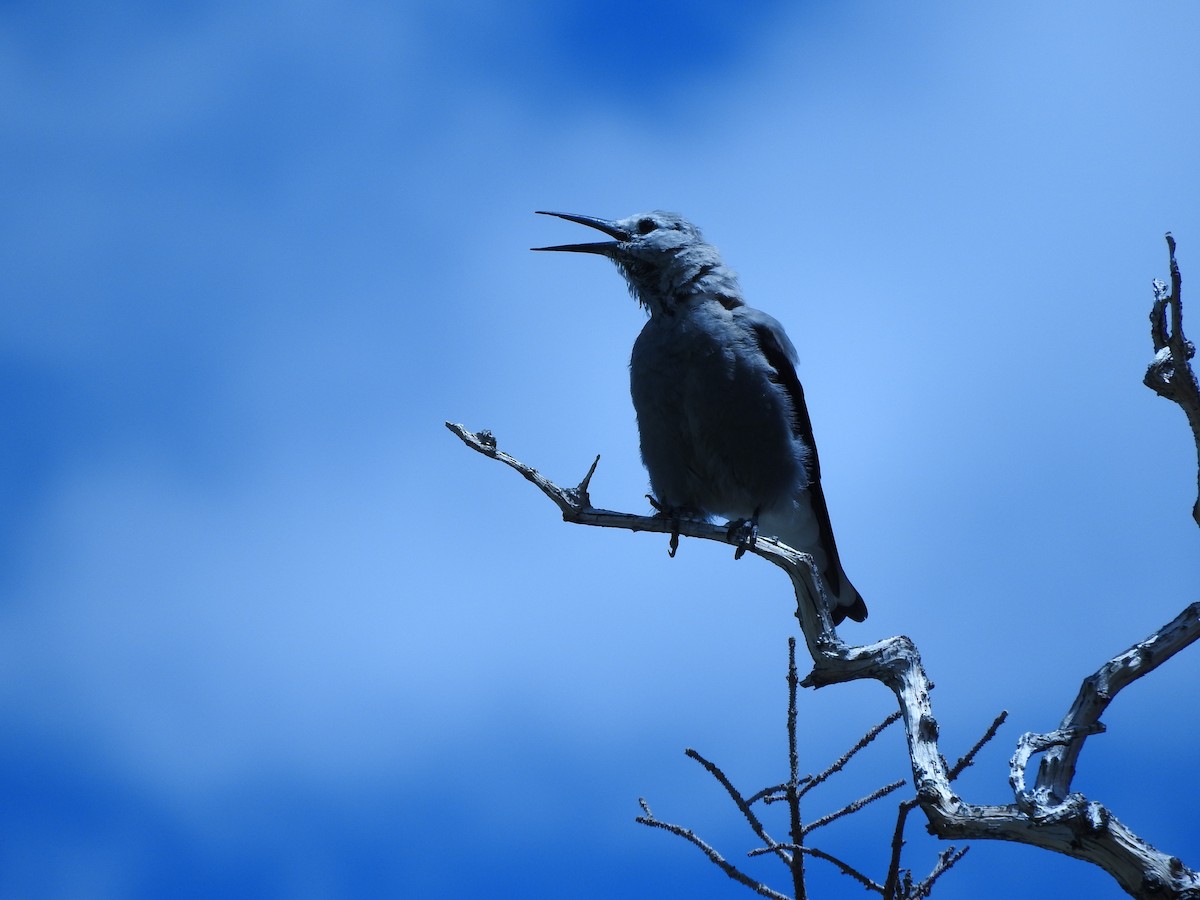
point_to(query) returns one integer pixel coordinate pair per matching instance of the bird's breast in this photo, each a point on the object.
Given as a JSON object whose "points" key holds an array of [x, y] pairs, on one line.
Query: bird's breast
{"points": [[715, 428]]}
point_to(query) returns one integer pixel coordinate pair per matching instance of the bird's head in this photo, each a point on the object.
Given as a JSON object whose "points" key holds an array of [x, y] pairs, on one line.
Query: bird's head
{"points": [[663, 257]]}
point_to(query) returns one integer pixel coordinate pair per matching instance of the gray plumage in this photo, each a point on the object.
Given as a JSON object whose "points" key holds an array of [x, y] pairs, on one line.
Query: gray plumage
{"points": [[721, 413]]}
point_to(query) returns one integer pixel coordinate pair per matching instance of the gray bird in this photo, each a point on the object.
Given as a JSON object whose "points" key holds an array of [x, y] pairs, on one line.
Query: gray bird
{"points": [[721, 413]]}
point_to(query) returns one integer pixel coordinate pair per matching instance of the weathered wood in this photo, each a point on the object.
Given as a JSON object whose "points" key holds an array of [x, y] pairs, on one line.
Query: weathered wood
{"points": [[1050, 816]]}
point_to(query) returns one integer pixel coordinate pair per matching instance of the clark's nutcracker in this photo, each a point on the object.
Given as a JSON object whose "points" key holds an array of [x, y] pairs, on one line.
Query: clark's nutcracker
{"points": [[721, 413]]}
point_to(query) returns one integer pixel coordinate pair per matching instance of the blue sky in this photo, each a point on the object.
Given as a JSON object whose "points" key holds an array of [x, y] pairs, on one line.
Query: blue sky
{"points": [[267, 630]]}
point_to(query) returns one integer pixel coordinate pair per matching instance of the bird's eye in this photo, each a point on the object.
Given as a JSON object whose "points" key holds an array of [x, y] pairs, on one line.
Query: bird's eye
{"points": [[646, 226]]}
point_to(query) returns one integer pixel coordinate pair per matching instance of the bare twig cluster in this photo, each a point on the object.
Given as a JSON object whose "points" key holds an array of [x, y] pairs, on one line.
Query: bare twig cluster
{"points": [[1050, 815], [898, 883]]}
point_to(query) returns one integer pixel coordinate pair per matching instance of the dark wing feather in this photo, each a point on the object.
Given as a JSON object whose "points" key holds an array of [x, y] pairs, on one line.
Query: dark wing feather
{"points": [[783, 365]]}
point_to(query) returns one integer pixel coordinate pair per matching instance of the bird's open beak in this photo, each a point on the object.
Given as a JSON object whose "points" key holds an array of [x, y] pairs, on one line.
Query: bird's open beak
{"points": [[605, 248]]}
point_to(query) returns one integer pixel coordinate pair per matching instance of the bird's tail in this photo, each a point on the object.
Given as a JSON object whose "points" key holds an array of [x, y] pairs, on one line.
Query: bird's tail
{"points": [[804, 525]]}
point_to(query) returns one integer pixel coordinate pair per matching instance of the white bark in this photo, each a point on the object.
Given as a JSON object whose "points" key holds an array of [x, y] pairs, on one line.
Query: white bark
{"points": [[1049, 815]]}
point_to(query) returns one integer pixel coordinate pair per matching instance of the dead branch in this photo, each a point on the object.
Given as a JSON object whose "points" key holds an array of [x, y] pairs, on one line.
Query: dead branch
{"points": [[898, 885], [1097, 692], [744, 806], [1170, 374], [946, 861], [725, 865], [1073, 826], [837, 766], [968, 758], [855, 805]]}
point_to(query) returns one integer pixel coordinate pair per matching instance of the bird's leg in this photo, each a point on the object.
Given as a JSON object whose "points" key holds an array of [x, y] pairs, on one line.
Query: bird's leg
{"points": [[661, 509], [745, 531]]}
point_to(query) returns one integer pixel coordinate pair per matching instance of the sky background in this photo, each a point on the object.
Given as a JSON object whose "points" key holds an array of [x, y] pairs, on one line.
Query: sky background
{"points": [[267, 629]]}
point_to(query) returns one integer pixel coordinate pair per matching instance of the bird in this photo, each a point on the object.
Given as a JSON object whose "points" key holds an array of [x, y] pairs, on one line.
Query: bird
{"points": [[723, 425]]}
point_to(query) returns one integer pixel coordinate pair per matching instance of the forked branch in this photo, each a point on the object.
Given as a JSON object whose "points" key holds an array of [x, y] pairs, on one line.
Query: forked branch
{"points": [[1054, 818]]}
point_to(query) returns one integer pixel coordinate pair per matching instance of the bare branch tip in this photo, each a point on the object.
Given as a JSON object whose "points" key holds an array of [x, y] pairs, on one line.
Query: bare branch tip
{"points": [[968, 758], [484, 440], [587, 480]]}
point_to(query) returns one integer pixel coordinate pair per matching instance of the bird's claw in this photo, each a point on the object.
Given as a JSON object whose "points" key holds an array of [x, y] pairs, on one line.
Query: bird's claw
{"points": [[745, 532], [661, 510]]}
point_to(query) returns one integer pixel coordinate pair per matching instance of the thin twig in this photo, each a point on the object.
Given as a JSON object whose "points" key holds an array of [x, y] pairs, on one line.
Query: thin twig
{"points": [[775, 793], [871, 734], [969, 757], [946, 860], [792, 791], [742, 804], [891, 884], [828, 857], [716, 858], [856, 805]]}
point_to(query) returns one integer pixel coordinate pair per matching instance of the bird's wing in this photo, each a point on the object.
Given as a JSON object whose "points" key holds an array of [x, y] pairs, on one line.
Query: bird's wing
{"points": [[781, 356]]}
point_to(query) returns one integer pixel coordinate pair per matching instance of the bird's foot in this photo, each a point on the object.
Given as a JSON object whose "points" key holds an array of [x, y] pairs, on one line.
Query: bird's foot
{"points": [[674, 513], [745, 532]]}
